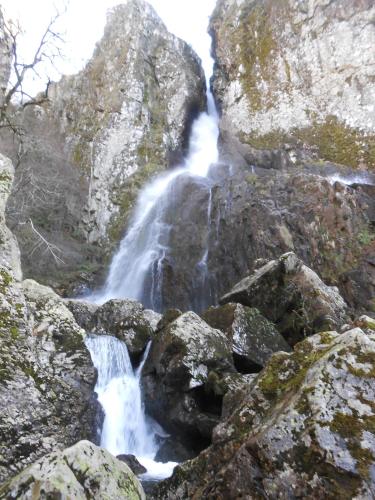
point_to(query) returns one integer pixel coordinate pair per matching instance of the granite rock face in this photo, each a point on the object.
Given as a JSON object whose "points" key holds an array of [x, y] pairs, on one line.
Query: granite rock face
{"points": [[303, 428], [80, 472], [102, 134], [297, 72]]}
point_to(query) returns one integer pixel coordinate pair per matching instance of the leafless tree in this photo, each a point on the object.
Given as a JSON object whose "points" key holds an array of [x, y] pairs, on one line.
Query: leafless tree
{"points": [[49, 50], [35, 191]]}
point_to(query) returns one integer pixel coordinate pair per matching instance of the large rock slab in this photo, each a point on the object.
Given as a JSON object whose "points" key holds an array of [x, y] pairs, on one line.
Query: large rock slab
{"points": [[80, 472], [46, 376], [292, 296], [184, 360], [254, 338], [303, 429]]}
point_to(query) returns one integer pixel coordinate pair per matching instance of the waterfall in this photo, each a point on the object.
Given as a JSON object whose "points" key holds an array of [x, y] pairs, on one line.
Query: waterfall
{"points": [[126, 430], [145, 246], [136, 272]]}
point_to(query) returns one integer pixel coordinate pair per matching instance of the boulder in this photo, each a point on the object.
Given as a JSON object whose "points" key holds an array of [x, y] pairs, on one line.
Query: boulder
{"points": [[292, 296], [133, 464], [80, 472], [304, 428], [184, 358], [254, 338], [83, 312], [126, 320], [46, 376]]}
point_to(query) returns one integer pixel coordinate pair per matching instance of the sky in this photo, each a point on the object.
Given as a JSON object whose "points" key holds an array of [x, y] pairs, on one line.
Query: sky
{"points": [[83, 23]]}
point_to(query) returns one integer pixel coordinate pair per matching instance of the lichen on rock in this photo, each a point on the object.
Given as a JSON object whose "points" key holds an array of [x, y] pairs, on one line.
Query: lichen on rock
{"points": [[305, 427], [80, 472], [298, 73]]}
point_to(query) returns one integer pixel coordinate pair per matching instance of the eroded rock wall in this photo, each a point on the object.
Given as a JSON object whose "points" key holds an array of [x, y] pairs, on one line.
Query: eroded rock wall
{"points": [[298, 72]]}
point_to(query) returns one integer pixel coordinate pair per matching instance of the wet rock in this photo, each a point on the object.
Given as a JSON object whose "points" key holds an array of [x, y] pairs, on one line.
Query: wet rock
{"points": [[80, 472], [172, 450], [304, 428], [133, 464], [292, 296], [254, 338], [126, 320], [83, 312], [183, 359]]}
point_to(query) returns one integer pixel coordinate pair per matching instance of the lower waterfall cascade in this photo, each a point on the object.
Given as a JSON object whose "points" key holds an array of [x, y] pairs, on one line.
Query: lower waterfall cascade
{"points": [[126, 429]]}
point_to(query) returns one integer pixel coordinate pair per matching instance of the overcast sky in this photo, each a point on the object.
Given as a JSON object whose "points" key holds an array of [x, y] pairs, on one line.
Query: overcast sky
{"points": [[83, 23]]}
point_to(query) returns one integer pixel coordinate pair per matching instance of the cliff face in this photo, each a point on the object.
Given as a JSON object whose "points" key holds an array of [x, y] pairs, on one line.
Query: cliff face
{"points": [[86, 152], [298, 72], [46, 373], [5, 59]]}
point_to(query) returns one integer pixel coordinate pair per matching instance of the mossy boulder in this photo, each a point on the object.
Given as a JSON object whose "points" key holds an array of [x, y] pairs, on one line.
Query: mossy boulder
{"points": [[303, 428], [254, 338], [46, 376], [292, 296], [184, 377], [80, 472], [127, 320]]}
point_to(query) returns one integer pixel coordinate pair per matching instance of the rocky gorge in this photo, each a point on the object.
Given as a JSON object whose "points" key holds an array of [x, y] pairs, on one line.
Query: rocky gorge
{"points": [[255, 373]]}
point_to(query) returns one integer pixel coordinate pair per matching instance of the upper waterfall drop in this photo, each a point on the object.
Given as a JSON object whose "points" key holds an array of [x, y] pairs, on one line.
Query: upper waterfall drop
{"points": [[136, 270]]}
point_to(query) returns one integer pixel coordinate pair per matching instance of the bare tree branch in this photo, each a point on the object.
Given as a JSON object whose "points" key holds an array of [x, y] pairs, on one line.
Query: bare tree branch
{"points": [[48, 50], [49, 247]]}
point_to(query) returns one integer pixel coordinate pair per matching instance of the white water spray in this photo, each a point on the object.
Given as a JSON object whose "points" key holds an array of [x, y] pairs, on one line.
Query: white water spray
{"points": [[126, 430]]}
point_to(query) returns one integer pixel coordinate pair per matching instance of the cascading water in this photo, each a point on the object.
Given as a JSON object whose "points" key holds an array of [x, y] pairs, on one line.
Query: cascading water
{"points": [[126, 430], [139, 261], [142, 251]]}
